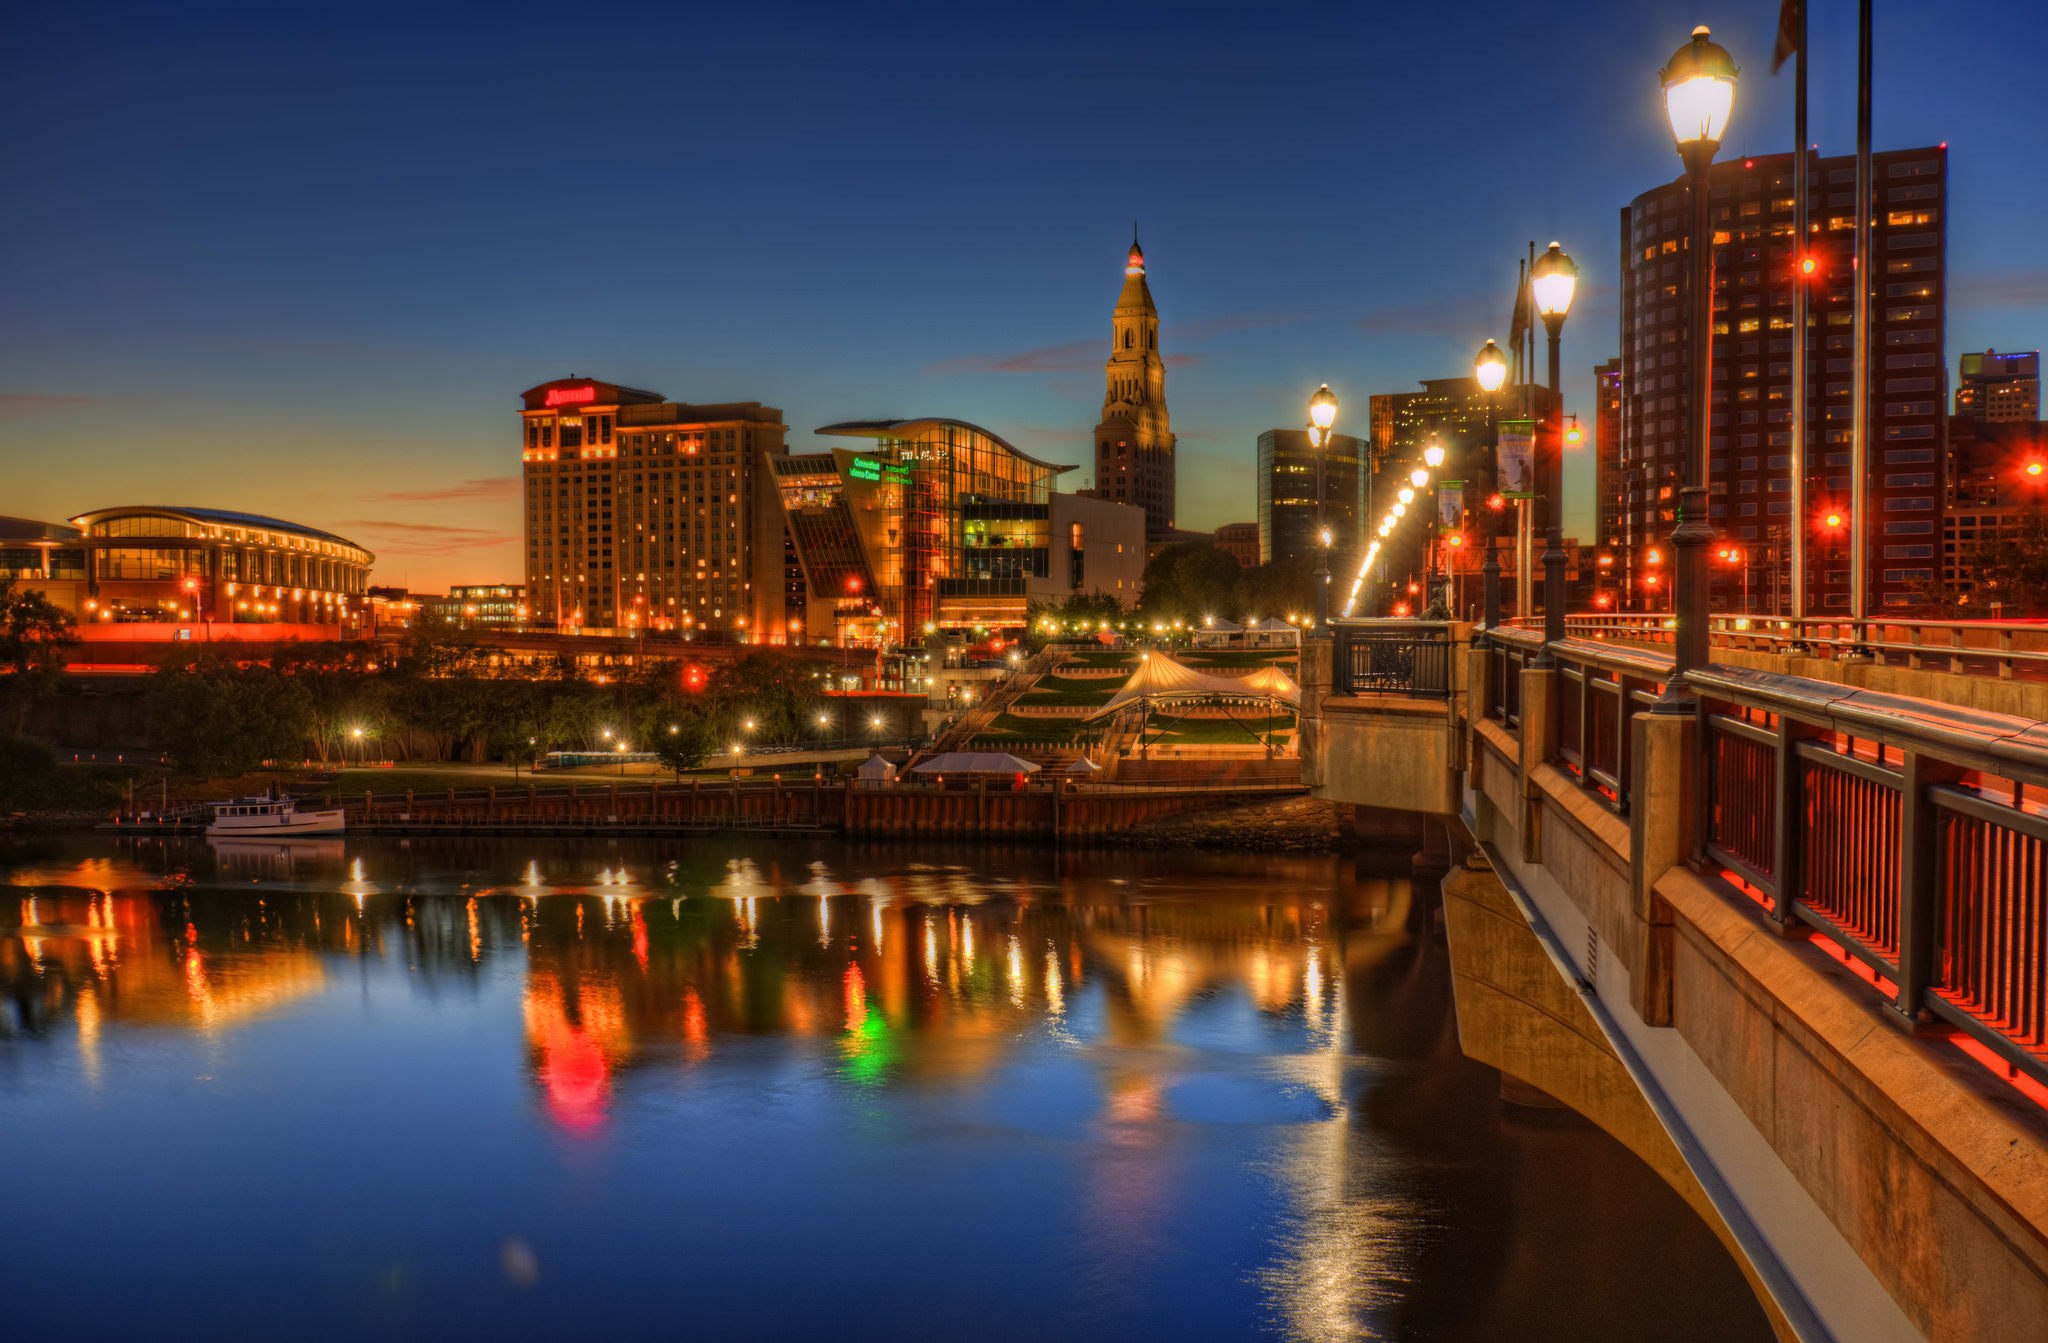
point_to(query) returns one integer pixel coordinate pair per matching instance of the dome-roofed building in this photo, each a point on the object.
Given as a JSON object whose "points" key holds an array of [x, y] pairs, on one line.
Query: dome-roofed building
{"points": [[147, 572]]}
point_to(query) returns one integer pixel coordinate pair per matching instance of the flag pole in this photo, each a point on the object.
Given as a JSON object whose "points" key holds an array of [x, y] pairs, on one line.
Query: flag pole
{"points": [[1859, 456], [1801, 157]]}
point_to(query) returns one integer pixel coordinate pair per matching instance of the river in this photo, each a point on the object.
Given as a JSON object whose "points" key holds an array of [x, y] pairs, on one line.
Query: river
{"points": [[754, 1089]]}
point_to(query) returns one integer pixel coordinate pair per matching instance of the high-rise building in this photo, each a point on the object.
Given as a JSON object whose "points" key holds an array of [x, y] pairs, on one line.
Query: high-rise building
{"points": [[1997, 478], [942, 525], [1757, 261], [1607, 528], [1134, 442], [1287, 495], [1240, 541], [1999, 388], [643, 513]]}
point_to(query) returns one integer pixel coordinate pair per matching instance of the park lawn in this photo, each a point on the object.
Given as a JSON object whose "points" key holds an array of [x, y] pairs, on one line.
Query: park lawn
{"points": [[1233, 657], [1102, 657], [1010, 729], [1217, 731]]}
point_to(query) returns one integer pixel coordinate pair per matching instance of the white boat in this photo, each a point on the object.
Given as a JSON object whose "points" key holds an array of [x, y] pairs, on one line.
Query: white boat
{"points": [[270, 818]]}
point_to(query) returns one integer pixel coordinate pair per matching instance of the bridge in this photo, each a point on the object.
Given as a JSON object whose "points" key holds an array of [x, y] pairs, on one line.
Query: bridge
{"points": [[1788, 943]]}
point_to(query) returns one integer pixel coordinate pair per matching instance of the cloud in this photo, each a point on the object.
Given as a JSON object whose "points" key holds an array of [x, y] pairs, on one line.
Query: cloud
{"points": [[1999, 289], [14, 405], [1073, 357], [426, 538], [1086, 356], [494, 487]]}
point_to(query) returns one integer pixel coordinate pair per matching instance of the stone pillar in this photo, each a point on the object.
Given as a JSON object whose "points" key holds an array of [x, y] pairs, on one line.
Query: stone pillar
{"points": [[1539, 745], [1663, 812]]}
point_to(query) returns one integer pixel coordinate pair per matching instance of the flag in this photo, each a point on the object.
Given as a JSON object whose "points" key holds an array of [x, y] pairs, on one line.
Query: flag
{"points": [[1520, 324], [1791, 18]]}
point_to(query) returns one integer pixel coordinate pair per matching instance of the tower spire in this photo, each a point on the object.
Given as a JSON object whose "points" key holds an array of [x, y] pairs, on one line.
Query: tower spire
{"points": [[1134, 442]]}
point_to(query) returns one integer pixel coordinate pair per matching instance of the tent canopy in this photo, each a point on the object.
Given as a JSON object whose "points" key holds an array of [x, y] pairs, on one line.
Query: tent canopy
{"points": [[1084, 766], [1222, 627], [975, 762], [1162, 680], [874, 767]]}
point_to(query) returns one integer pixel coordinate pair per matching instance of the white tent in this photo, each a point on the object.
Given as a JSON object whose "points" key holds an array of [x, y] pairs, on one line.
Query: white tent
{"points": [[1216, 633], [975, 762], [1272, 633], [1083, 767], [875, 771], [1161, 680]]}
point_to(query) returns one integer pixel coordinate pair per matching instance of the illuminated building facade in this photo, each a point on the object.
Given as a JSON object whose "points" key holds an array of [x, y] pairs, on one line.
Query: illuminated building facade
{"points": [[150, 572], [648, 514], [942, 524], [1757, 260], [1287, 495], [476, 604], [1607, 452], [1240, 541], [1134, 443], [1999, 388]]}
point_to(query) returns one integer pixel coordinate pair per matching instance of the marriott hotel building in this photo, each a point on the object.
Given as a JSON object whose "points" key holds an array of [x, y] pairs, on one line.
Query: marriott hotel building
{"points": [[649, 514]]}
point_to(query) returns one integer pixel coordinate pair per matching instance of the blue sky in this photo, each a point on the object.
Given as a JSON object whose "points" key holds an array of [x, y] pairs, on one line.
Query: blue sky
{"points": [[301, 260]]}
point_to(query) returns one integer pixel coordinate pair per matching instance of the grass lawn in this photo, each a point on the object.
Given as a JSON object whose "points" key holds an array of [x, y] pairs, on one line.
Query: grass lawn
{"points": [[1230, 657], [1217, 731], [1010, 729], [1102, 657]]}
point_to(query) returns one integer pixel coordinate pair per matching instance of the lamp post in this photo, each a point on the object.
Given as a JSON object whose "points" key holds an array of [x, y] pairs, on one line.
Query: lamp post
{"points": [[1490, 369], [1322, 415], [1699, 93], [1552, 280]]}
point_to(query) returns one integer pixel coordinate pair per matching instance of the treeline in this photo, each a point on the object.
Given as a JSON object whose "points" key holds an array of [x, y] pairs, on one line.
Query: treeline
{"points": [[448, 695]]}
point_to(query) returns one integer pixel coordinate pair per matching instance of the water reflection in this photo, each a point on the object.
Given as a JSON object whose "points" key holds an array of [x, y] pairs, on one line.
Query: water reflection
{"points": [[1163, 1078]]}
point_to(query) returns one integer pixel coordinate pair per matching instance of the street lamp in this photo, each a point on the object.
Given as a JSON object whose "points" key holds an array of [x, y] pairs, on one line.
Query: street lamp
{"points": [[1490, 369], [1552, 280], [1699, 93], [1322, 417]]}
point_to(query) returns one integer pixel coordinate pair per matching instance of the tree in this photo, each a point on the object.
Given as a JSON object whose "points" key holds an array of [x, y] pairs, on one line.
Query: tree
{"points": [[1282, 588], [683, 744], [1190, 581], [34, 631], [780, 692], [2012, 570], [1089, 610], [216, 718]]}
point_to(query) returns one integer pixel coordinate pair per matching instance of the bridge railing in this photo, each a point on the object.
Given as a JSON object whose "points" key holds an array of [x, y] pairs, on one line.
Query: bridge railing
{"points": [[1393, 657], [2007, 649], [1910, 834]]}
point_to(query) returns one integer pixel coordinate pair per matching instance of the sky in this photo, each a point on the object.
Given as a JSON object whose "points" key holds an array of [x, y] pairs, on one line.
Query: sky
{"points": [[300, 260]]}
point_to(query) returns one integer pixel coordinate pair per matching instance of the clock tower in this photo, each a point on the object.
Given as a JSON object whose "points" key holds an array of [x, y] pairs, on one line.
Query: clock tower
{"points": [[1134, 441]]}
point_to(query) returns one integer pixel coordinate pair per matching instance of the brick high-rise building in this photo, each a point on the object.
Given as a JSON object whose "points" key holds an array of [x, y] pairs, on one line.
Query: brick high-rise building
{"points": [[643, 513], [1134, 442], [1608, 514], [1999, 388], [1749, 475]]}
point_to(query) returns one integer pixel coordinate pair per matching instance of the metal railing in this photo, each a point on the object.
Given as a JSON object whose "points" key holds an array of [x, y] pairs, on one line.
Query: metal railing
{"points": [[2007, 649], [1392, 657], [1900, 830], [1910, 834]]}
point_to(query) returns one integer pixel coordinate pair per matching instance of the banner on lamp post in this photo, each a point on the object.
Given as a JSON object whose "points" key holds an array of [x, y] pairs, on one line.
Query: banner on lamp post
{"points": [[1518, 459], [1450, 505]]}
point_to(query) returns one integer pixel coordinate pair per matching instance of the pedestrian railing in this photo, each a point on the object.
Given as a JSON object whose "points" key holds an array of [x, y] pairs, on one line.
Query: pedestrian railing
{"points": [[1899, 829], [2005, 649], [1393, 657]]}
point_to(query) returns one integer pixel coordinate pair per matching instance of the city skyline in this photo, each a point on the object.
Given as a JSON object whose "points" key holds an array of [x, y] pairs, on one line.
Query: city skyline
{"points": [[325, 312]]}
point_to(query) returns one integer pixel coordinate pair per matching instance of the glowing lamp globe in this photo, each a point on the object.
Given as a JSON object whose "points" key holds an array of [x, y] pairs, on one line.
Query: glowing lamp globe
{"points": [[1406, 496], [1699, 92], [1418, 477], [1433, 455], [1322, 408], [1552, 281], [1490, 368]]}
